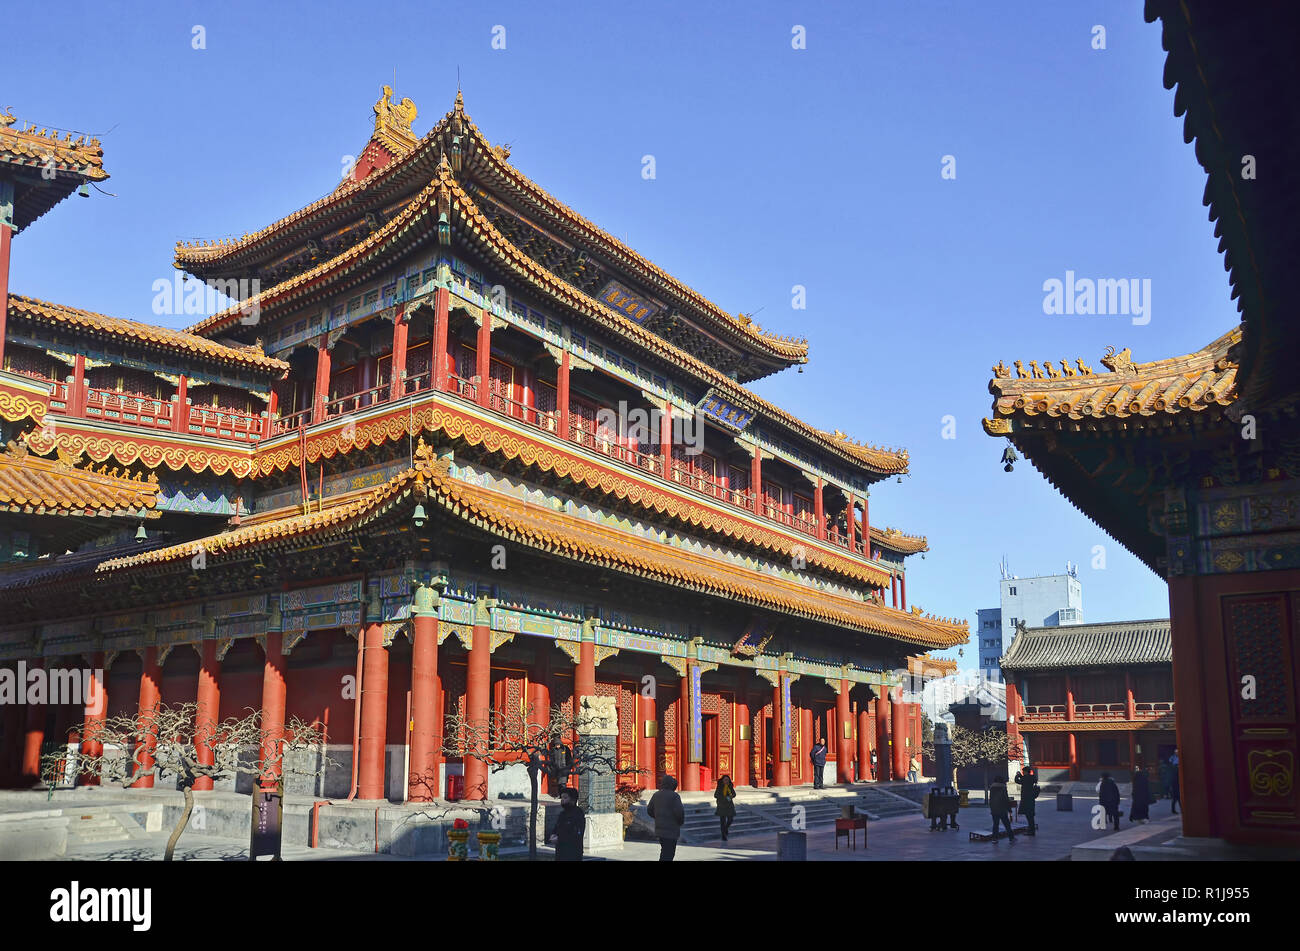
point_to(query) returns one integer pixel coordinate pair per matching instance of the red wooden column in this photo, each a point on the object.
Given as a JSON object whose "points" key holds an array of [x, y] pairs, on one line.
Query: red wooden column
{"points": [[180, 413], [1130, 707], [422, 781], [584, 680], [321, 394], [562, 394], [893, 587], [146, 706], [34, 734], [539, 715], [1132, 750], [478, 695], [77, 391], [690, 769], [763, 744], [397, 366], [884, 765], [756, 482], [819, 509], [273, 704], [780, 767], [438, 348], [866, 525], [898, 713], [96, 713], [1069, 698], [1074, 757], [209, 708], [374, 713], [484, 359], [864, 742], [843, 734], [902, 589], [645, 745], [666, 440], [743, 749]]}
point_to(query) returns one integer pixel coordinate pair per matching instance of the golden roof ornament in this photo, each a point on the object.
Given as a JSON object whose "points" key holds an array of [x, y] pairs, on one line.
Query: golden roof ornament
{"points": [[393, 121], [1121, 362]]}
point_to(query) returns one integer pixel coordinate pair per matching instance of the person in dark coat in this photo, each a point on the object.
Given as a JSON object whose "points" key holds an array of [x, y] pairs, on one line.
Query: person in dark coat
{"points": [[725, 795], [818, 757], [1108, 793], [666, 810], [569, 829], [1000, 807], [1028, 782], [1140, 812], [559, 763]]}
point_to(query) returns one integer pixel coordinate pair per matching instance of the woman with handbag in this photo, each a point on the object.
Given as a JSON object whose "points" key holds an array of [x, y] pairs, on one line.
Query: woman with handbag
{"points": [[725, 795]]}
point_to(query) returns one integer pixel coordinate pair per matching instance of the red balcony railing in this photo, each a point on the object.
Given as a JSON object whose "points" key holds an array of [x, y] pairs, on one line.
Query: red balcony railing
{"points": [[286, 424], [580, 432], [124, 408], [225, 424], [1100, 711], [355, 401], [1044, 711]]}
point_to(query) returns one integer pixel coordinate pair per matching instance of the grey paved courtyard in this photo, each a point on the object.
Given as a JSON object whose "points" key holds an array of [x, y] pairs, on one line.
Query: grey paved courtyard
{"points": [[904, 837]]}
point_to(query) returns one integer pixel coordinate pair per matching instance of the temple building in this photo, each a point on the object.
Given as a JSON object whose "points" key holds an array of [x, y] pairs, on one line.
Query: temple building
{"points": [[1090, 698], [1193, 462], [455, 449]]}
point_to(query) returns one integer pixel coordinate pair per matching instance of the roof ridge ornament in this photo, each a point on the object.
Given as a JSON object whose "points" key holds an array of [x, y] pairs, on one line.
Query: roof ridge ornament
{"points": [[393, 120]]}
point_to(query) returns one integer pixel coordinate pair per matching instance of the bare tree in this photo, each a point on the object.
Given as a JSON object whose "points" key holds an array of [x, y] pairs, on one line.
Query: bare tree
{"points": [[504, 738], [167, 740], [989, 747]]}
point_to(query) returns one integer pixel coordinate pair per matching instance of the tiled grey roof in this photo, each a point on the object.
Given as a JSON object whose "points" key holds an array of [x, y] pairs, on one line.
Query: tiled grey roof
{"points": [[1119, 643]]}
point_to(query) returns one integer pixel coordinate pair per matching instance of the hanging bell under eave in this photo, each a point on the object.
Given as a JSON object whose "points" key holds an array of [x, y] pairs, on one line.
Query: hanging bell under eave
{"points": [[444, 229], [455, 153], [84, 190], [140, 534], [418, 516], [1009, 458]]}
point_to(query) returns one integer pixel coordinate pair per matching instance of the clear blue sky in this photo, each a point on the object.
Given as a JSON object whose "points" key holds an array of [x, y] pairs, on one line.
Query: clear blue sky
{"points": [[775, 167]]}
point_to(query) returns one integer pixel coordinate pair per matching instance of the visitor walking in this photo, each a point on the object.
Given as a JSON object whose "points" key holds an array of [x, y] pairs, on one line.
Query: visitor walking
{"points": [[569, 829], [913, 770], [873, 764], [1108, 793], [666, 810], [1027, 780], [725, 795], [818, 757], [1140, 811], [1000, 807]]}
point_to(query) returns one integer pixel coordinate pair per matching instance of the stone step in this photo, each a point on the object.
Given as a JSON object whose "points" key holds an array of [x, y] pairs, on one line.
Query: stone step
{"points": [[95, 827]]}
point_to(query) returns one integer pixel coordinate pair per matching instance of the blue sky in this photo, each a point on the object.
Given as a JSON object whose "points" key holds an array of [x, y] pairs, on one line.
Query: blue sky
{"points": [[775, 167]]}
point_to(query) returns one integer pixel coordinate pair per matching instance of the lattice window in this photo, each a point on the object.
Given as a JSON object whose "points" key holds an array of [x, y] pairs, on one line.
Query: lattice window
{"points": [[626, 714], [453, 690], [545, 397], [419, 359], [33, 363]]}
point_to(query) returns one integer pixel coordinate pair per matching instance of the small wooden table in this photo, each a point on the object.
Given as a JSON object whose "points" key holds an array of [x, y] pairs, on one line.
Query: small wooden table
{"points": [[847, 827]]}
